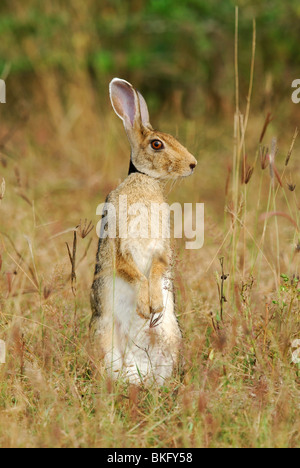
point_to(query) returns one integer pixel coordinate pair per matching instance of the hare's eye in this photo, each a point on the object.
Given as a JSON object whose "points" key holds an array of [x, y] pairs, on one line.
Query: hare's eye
{"points": [[157, 144]]}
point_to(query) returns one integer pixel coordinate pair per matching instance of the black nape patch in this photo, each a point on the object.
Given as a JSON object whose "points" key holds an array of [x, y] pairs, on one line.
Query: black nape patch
{"points": [[133, 169]]}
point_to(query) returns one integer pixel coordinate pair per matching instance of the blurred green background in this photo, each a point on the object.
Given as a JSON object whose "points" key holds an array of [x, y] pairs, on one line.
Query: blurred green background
{"points": [[179, 52]]}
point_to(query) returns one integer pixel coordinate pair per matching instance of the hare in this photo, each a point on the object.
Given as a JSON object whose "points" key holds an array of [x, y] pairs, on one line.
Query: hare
{"points": [[133, 323]]}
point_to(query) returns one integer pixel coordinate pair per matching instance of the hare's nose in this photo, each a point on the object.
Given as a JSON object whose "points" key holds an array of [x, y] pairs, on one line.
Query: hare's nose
{"points": [[192, 166]]}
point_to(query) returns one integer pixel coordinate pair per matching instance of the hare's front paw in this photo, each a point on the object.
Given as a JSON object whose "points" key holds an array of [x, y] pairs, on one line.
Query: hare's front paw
{"points": [[143, 307], [156, 301]]}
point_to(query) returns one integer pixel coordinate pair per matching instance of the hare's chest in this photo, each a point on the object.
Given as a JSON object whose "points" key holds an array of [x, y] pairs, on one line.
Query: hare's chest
{"points": [[143, 252], [148, 231]]}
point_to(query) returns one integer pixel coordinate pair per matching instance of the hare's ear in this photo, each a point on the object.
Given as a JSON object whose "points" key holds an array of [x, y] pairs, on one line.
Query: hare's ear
{"points": [[124, 101], [144, 110], [128, 104]]}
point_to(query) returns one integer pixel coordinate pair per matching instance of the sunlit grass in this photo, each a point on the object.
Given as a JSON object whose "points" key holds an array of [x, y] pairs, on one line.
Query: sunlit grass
{"points": [[238, 386]]}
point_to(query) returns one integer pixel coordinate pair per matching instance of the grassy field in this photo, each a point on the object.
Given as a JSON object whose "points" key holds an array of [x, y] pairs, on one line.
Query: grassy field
{"points": [[238, 386]]}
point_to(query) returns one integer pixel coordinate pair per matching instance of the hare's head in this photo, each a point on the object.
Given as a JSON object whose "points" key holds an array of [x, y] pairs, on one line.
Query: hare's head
{"points": [[154, 153]]}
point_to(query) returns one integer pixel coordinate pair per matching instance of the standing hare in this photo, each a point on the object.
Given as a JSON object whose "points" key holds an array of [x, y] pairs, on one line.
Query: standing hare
{"points": [[134, 323]]}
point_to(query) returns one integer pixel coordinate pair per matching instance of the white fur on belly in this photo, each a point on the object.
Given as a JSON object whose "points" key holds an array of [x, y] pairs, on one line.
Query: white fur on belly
{"points": [[138, 351]]}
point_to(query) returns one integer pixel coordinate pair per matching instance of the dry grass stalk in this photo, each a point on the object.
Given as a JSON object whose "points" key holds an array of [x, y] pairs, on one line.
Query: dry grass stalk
{"points": [[291, 147], [2, 189], [273, 168], [85, 228], [72, 257], [247, 171], [268, 119], [221, 290], [265, 216], [291, 187], [264, 157], [33, 277]]}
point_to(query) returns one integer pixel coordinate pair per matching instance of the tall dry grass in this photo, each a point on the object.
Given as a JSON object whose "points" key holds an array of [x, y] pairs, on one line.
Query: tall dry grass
{"points": [[237, 298]]}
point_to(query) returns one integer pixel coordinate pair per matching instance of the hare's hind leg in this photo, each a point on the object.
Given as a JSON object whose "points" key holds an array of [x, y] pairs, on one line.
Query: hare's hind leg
{"points": [[126, 334]]}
